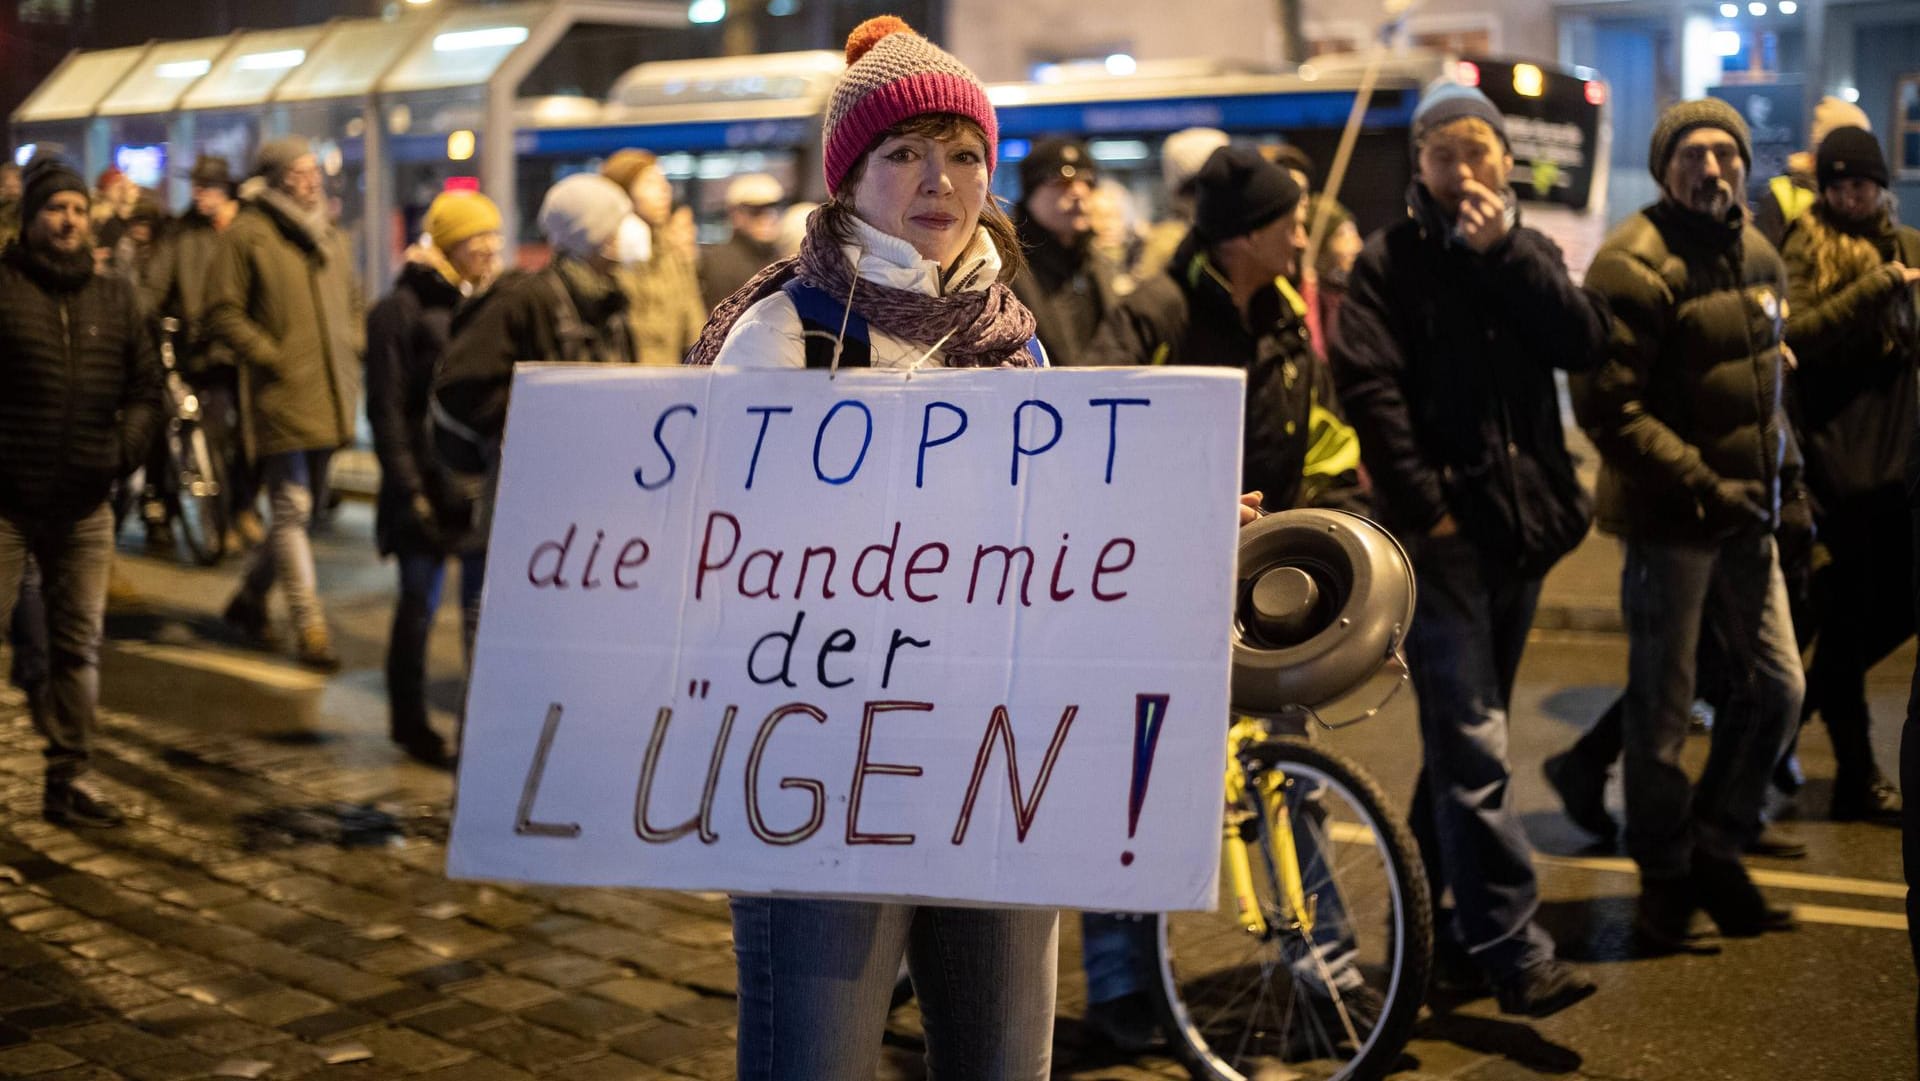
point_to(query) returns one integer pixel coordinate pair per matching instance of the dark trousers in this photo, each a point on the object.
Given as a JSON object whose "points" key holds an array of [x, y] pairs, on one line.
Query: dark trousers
{"points": [[74, 558], [1668, 593], [422, 576], [220, 416], [1872, 554], [1464, 649]]}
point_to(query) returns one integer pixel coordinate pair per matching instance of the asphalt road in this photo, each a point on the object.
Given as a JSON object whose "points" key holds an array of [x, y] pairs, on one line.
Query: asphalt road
{"points": [[1833, 1000]]}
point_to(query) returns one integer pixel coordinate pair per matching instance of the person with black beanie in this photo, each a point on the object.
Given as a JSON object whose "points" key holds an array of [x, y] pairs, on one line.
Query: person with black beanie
{"points": [[1454, 322], [1853, 324], [1219, 301], [79, 405]]}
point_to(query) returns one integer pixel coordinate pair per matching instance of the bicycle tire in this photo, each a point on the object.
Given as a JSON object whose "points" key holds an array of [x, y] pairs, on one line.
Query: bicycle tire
{"points": [[1199, 998], [199, 496]]}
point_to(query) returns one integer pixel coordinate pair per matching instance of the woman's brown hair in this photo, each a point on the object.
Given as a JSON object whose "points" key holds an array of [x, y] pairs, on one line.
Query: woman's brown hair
{"points": [[836, 214]]}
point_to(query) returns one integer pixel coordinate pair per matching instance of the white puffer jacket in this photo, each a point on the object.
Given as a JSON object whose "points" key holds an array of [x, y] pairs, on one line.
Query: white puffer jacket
{"points": [[768, 334]]}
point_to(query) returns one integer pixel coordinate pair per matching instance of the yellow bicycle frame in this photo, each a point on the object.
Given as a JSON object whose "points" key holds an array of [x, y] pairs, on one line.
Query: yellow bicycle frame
{"points": [[1271, 799]]}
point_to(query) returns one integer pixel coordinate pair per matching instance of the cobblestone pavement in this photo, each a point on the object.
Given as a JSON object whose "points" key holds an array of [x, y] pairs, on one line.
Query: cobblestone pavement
{"points": [[279, 911]]}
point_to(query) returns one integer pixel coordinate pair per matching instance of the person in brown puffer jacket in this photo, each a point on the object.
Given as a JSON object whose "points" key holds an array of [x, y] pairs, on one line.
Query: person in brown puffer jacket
{"points": [[665, 309], [282, 295], [1688, 416]]}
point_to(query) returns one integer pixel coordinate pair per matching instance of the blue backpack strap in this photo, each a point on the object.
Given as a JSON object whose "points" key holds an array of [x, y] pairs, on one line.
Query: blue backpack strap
{"points": [[1039, 355], [820, 318]]}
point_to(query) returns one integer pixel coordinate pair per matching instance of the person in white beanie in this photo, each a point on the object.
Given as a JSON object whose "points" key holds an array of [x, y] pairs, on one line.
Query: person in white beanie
{"points": [[1181, 156], [754, 206]]}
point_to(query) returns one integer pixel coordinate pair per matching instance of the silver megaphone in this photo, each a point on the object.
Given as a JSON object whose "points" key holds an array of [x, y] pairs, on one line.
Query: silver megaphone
{"points": [[1321, 612]]}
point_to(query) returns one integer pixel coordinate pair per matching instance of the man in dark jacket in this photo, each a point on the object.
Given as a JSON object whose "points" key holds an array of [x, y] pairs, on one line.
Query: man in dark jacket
{"points": [[1452, 326], [282, 295], [1068, 285], [417, 519], [754, 201], [1219, 302], [176, 289], [79, 403], [1686, 411]]}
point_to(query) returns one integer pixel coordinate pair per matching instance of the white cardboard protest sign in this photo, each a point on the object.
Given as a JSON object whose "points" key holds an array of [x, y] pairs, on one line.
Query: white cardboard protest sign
{"points": [[959, 636]]}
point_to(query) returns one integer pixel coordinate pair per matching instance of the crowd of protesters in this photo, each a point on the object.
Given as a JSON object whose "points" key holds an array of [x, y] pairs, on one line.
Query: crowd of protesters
{"points": [[1747, 376]]}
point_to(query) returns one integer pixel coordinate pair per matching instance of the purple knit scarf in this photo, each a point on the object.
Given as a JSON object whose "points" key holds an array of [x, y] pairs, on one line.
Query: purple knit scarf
{"points": [[983, 328]]}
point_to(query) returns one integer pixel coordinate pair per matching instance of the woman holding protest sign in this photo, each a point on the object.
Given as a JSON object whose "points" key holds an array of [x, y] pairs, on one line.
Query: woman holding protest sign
{"points": [[905, 266]]}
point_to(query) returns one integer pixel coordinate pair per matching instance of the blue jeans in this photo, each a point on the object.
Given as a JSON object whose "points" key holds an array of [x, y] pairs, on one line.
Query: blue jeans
{"points": [[296, 483], [421, 577], [74, 558], [816, 977], [1469, 628], [1666, 592]]}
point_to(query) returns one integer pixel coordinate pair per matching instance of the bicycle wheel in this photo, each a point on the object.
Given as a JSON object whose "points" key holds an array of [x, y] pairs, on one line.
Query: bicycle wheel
{"points": [[1328, 993], [199, 498]]}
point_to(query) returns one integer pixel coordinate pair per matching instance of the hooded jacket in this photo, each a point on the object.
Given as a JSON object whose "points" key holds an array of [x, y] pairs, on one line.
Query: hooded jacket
{"points": [[282, 296], [1297, 449], [1068, 288], [1445, 360], [1690, 391], [80, 394], [1858, 347]]}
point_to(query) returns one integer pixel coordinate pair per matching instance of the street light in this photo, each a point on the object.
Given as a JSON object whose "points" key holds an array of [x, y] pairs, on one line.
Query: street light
{"points": [[1788, 7], [1729, 11], [1756, 9]]}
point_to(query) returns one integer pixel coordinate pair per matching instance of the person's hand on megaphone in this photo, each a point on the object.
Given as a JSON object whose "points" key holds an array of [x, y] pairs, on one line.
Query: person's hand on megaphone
{"points": [[1250, 510]]}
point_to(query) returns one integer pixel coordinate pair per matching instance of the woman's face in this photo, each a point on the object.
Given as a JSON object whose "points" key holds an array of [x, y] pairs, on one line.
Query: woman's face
{"points": [[926, 191], [652, 195], [1854, 199]]}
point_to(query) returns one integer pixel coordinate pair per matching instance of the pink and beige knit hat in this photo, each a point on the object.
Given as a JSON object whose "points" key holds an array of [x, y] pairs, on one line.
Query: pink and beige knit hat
{"points": [[892, 74]]}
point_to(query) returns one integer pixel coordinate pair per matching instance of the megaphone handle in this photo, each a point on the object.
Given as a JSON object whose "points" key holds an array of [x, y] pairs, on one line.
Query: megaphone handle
{"points": [[1398, 657]]}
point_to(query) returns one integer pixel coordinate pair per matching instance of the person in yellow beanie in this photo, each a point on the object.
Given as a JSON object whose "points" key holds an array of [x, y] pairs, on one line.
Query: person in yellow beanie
{"points": [[464, 228], [420, 517]]}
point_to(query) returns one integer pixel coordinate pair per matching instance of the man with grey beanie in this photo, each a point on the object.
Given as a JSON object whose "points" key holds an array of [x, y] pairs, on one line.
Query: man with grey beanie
{"points": [[1686, 409], [283, 298], [1455, 321]]}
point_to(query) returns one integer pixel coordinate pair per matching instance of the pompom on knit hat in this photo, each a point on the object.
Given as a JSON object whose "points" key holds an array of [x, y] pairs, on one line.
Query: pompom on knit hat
{"points": [[1683, 117], [1850, 153], [893, 74], [458, 216], [1831, 114]]}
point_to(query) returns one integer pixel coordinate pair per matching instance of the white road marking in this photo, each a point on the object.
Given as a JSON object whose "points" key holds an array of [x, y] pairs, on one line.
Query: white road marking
{"points": [[272, 673], [1352, 833]]}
